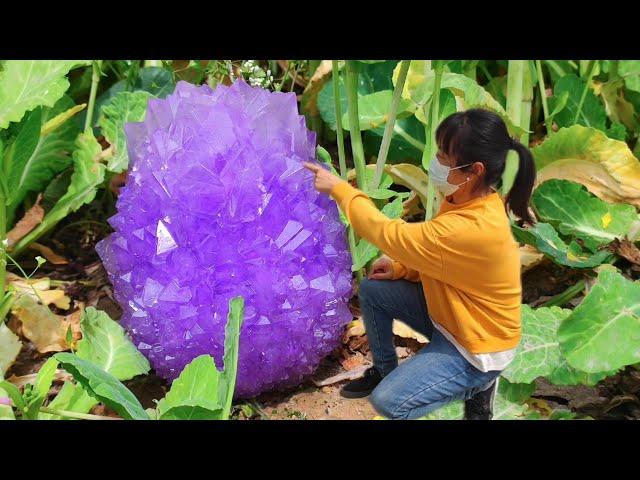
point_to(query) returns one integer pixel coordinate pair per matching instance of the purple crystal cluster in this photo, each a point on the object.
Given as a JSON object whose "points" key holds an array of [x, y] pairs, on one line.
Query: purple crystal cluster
{"points": [[217, 204]]}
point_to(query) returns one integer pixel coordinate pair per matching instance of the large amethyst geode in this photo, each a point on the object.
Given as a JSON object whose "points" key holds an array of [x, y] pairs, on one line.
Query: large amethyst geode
{"points": [[217, 204]]}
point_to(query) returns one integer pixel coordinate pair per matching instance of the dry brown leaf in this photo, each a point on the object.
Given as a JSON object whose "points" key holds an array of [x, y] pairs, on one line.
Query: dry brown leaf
{"points": [[626, 249], [353, 361], [22, 380], [529, 257], [309, 100], [31, 219], [40, 290], [51, 256], [45, 329]]}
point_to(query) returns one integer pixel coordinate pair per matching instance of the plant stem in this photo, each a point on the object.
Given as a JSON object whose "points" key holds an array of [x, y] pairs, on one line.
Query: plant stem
{"points": [[352, 247], [335, 80], [391, 121], [431, 148], [95, 79], [354, 123], [3, 242], [591, 68], [555, 67], [564, 297], [527, 99], [79, 416], [515, 80], [543, 98]]}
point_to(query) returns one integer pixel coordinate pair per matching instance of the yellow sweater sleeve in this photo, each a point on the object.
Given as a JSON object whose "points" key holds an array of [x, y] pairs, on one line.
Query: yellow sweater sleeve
{"points": [[402, 271], [413, 245]]}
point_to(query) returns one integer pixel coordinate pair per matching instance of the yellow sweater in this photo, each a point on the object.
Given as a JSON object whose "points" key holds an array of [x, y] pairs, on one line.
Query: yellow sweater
{"points": [[465, 257]]}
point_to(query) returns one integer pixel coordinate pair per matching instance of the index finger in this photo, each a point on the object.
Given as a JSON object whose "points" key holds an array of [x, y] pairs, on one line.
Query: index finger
{"points": [[311, 166]]}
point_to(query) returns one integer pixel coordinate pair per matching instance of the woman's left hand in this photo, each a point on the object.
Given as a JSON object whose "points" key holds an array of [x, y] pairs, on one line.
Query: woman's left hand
{"points": [[325, 180]]}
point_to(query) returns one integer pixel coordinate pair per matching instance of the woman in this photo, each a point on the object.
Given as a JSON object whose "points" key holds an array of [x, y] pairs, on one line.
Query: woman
{"points": [[455, 278]]}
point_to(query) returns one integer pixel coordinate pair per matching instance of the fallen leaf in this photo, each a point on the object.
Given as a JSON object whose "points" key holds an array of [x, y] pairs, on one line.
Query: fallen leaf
{"points": [[354, 329], [49, 254], [353, 361], [309, 100], [40, 290], [22, 380], [45, 329], [403, 330], [625, 249], [31, 219], [10, 346], [348, 375], [529, 257]]}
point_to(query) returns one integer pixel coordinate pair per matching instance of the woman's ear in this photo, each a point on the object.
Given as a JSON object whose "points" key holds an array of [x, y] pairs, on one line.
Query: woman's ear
{"points": [[478, 169]]}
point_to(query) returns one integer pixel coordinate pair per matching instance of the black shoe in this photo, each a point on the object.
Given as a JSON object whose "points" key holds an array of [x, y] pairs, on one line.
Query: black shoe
{"points": [[480, 406], [363, 386]]}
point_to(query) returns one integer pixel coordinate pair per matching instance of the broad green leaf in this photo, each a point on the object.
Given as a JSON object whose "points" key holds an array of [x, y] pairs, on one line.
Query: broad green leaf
{"points": [[469, 93], [538, 352], [14, 394], [544, 237], [157, 81], [36, 157], [192, 412], [70, 398], [570, 208], [235, 317], [630, 71], [407, 141], [592, 113], [451, 411], [565, 374], [372, 78], [196, 386], [6, 411], [446, 107], [10, 346], [603, 332], [563, 414], [515, 392], [103, 386], [504, 409], [105, 344], [617, 131], [88, 174], [373, 110], [27, 84], [419, 72], [606, 167], [123, 108], [381, 193], [41, 388]]}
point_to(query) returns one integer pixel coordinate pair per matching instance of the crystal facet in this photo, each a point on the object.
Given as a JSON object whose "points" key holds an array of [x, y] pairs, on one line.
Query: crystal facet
{"points": [[218, 204]]}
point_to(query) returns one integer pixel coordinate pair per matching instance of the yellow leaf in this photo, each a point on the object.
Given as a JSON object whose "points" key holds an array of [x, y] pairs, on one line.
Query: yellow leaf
{"points": [[40, 290], [46, 330], [606, 220], [585, 155], [529, 257], [404, 331], [58, 120]]}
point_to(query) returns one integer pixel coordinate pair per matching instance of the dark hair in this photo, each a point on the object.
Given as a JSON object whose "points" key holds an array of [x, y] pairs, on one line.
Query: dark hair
{"points": [[478, 135]]}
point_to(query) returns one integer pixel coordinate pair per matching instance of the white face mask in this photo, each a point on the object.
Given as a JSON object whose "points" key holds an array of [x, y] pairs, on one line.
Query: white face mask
{"points": [[439, 174]]}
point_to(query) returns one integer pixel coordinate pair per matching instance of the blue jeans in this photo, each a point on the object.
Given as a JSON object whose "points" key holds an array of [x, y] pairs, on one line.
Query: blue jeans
{"points": [[436, 375]]}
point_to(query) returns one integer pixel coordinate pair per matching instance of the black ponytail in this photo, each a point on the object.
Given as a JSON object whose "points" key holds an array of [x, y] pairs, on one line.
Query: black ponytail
{"points": [[518, 197], [479, 135]]}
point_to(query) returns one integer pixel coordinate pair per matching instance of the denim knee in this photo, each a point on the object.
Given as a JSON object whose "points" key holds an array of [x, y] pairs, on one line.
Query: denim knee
{"points": [[385, 402], [368, 288]]}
